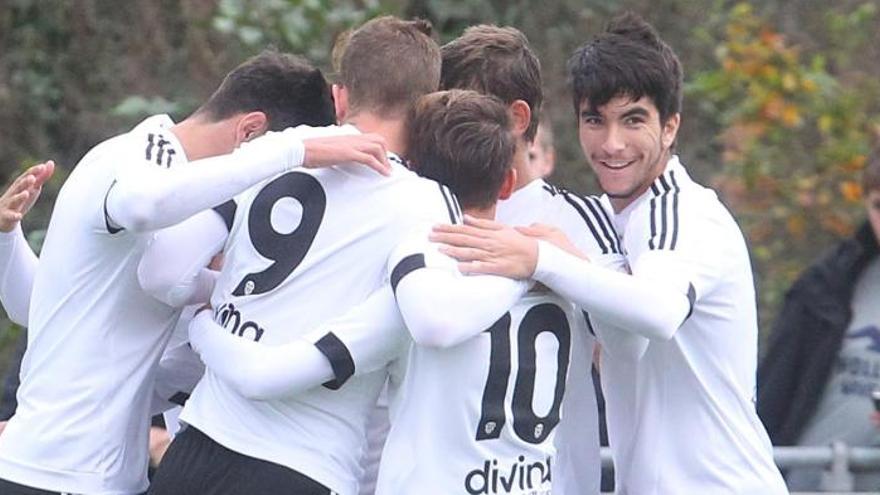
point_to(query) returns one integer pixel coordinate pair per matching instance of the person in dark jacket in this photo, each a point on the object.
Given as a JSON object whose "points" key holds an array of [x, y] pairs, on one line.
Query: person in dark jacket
{"points": [[823, 360]]}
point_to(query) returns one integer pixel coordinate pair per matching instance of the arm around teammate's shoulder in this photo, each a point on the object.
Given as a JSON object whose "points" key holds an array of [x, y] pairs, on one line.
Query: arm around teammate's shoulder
{"points": [[148, 197], [644, 306]]}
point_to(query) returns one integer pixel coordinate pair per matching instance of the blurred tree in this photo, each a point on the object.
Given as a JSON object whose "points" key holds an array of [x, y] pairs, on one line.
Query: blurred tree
{"points": [[795, 137]]}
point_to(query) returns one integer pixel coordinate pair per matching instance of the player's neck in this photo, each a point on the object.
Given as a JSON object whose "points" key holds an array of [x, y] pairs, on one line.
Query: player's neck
{"points": [[389, 128], [483, 213], [525, 172], [203, 139]]}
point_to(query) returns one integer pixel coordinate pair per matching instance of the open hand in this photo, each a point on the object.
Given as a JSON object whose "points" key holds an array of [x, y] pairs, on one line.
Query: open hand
{"points": [[21, 195], [368, 149], [489, 247], [552, 235]]}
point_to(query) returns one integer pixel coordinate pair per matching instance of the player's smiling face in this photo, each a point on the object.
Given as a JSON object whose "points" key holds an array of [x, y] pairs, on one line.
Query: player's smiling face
{"points": [[626, 145]]}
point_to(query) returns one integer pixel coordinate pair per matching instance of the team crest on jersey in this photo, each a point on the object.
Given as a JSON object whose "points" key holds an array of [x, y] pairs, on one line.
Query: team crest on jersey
{"points": [[520, 478], [229, 317]]}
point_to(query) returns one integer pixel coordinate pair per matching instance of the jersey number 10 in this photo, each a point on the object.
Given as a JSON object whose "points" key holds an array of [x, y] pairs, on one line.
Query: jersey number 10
{"points": [[527, 425]]}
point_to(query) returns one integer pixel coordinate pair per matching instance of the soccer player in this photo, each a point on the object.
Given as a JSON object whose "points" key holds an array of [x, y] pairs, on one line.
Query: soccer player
{"points": [[305, 246], [498, 61], [82, 420], [681, 416]]}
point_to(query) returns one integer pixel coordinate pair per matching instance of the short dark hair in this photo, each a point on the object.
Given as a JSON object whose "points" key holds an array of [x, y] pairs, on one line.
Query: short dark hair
{"points": [[871, 173], [388, 63], [462, 139], [287, 88], [496, 61], [628, 59]]}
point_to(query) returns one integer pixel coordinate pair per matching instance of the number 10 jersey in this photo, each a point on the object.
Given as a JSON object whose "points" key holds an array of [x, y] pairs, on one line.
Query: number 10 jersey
{"points": [[479, 417]]}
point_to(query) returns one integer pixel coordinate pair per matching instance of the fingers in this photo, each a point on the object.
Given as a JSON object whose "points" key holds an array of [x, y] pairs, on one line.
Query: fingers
{"points": [[368, 149], [17, 201], [465, 253], [462, 240], [462, 230], [42, 172], [376, 161], [477, 267]]}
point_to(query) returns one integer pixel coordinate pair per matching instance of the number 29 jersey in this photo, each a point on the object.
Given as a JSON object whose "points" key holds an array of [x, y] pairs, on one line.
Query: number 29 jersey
{"points": [[305, 246], [479, 417]]}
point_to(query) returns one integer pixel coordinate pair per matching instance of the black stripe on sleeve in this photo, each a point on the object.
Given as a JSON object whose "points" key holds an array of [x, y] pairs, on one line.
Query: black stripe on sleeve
{"points": [[692, 299], [449, 204], [674, 209], [653, 216], [179, 398], [589, 323], [664, 201], [667, 196], [227, 212], [587, 220], [616, 247], [107, 223], [607, 230], [405, 267], [458, 211], [340, 359]]}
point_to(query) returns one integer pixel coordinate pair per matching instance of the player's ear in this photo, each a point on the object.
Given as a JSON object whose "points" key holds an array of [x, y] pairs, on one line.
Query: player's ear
{"points": [[508, 185], [340, 101], [250, 126], [521, 114], [670, 130]]}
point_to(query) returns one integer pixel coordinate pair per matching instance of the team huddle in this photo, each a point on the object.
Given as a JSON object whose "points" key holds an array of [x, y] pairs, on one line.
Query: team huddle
{"points": [[295, 256]]}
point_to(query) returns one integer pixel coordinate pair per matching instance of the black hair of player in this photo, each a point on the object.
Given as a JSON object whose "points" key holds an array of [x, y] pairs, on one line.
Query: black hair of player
{"points": [[627, 59], [285, 87], [496, 61], [463, 140]]}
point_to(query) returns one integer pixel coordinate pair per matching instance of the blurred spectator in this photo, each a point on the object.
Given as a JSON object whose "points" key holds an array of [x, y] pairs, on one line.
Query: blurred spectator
{"points": [[542, 153], [823, 361]]}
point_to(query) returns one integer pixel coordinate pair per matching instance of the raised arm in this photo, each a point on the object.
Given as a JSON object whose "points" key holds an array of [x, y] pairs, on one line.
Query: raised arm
{"points": [[150, 198], [18, 263]]}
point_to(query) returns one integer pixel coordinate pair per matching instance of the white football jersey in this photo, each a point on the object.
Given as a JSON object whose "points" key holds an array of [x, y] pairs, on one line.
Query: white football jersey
{"points": [[95, 337], [479, 417], [682, 418], [304, 247], [588, 226]]}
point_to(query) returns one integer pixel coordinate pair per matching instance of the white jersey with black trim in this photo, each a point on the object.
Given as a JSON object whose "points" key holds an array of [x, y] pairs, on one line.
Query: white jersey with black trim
{"points": [[95, 337], [306, 246], [480, 416], [682, 418], [586, 223]]}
